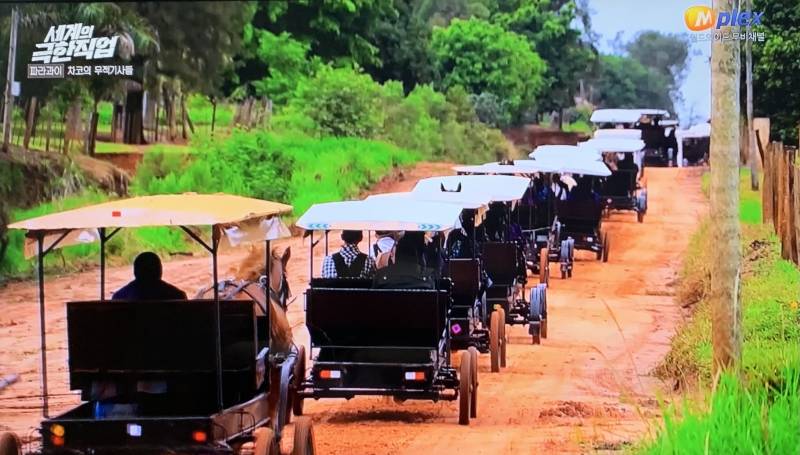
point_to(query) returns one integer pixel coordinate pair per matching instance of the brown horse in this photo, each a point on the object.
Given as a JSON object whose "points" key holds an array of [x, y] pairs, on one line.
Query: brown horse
{"points": [[270, 293]]}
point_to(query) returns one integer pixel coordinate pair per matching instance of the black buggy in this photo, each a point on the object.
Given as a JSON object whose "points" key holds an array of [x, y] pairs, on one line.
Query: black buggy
{"points": [[621, 190], [502, 254], [543, 243], [188, 376], [579, 210], [389, 342], [472, 326]]}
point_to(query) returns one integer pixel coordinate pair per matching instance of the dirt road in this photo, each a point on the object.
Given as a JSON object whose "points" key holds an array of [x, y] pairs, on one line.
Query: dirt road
{"points": [[585, 389]]}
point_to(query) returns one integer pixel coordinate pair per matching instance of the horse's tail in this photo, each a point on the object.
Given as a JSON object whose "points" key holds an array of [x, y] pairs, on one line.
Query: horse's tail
{"points": [[279, 329]]}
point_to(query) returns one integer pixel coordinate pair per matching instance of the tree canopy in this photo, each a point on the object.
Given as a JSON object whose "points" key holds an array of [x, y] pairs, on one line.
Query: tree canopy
{"points": [[485, 58]]}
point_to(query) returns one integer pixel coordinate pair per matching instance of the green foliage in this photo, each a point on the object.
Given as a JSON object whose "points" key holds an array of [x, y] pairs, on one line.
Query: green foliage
{"points": [[483, 57], [290, 168], [287, 64], [759, 419], [341, 102], [776, 64], [338, 31], [549, 26], [665, 53], [625, 83], [491, 109]]}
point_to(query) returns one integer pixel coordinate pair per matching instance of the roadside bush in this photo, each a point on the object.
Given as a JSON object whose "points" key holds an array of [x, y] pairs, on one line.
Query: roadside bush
{"points": [[342, 102], [491, 110]]}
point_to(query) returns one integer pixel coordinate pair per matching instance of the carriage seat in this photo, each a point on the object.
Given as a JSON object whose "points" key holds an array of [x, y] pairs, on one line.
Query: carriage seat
{"points": [[169, 341]]}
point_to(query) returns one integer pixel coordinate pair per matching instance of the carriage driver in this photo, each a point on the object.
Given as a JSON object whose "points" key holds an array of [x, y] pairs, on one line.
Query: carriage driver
{"points": [[147, 283], [349, 262]]}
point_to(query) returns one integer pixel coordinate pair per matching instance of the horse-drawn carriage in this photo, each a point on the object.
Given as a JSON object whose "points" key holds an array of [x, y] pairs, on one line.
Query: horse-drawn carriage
{"points": [[659, 138], [472, 326], [501, 250], [170, 376], [622, 190], [535, 214], [378, 341], [580, 209]]}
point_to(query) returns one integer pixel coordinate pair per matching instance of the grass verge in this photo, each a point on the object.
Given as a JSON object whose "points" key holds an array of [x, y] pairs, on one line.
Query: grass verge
{"points": [[758, 411]]}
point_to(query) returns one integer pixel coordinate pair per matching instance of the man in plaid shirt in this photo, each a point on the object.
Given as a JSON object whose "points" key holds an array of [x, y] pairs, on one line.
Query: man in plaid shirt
{"points": [[349, 262]]}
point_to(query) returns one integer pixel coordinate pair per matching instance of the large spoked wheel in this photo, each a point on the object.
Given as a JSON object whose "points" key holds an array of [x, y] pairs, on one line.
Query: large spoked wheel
{"points": [[297, 382], [464, 388], [473, 402], [535, 316], [303, 437], [544, 314], [494, 339], [544, 265], [502, 337], [264, 442], [10, 444], [606, 247]]}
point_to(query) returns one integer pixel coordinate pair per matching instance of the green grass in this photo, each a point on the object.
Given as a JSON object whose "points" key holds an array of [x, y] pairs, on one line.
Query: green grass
{"points": [[749, 200], [759, 411], [115, 147], [578, 126], [761, 419]]}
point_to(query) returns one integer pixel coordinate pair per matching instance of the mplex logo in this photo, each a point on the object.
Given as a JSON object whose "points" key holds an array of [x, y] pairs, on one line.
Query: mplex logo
{"points": [[700, 18]]}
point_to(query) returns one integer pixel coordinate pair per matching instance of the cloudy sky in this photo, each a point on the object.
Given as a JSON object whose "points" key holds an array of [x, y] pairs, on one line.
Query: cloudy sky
{"points": [[610, 17]]}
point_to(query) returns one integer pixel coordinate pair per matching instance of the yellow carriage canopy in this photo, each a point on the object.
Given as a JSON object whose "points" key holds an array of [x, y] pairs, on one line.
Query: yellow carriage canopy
{"points": [[241, 219]]}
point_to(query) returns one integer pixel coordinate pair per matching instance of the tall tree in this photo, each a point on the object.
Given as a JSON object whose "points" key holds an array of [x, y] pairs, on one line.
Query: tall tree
{"points": [[337, 30], [725, 231], [622, 82], [484, 58], [776, 65], [549, 26], [667, 54]]}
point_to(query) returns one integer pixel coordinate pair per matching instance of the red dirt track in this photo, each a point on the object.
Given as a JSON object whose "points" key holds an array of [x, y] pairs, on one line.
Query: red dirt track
{"points": [[587, 388]]}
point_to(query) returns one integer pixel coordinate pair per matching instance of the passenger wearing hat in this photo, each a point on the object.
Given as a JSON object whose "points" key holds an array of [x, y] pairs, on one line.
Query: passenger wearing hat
{"points": [[349, 262], [147, 283]]}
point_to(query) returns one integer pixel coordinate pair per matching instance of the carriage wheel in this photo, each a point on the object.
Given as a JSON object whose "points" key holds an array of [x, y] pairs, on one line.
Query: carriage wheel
{"points": [[10, 444], [544, 314], [606, 247], [536, 332], [544, 269], [503, 340], [299, 377], [473, 403], [303, 437], [494, 339], [265, 443], [464, 388]]}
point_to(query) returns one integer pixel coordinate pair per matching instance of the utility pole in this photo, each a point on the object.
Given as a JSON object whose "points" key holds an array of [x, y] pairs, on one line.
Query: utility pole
{"points": [[8, 108], [752, 155], [724, 292]]}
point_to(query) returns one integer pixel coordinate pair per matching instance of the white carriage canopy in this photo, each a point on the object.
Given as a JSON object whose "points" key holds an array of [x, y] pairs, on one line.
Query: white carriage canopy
{"points": [[520, 167], [466, 200], [499, 188], [545, 154], [615, 116], [616, 145], [241, 219], [627, 133], [699, 131], [381, 215]]}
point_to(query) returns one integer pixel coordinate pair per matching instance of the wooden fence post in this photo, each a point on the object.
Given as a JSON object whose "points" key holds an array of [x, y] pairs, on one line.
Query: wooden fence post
{"points": [[767, 209], [796, 211]]}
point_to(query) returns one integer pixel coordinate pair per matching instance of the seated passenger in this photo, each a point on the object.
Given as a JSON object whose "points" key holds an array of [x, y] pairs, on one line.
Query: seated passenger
{"points": [[406, 272], [383, 248], [147, 283], [349, 262], [460, 241]]}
